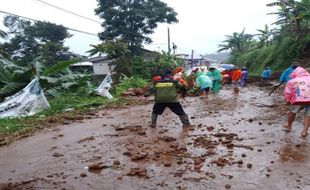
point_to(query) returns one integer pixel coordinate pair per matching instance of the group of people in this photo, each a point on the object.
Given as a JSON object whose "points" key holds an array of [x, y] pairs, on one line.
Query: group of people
{"points": [[213, 79], [296, 92], [235, 76], [172, 83]]}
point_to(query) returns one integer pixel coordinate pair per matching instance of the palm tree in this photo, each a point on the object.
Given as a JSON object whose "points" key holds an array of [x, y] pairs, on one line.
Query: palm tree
{"points": [[238, 42], [266, 35], [113, 48], [293, 16]]}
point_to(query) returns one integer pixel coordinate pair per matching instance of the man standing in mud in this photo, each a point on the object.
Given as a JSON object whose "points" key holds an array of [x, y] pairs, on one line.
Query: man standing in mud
{"points": [[165, 89]]}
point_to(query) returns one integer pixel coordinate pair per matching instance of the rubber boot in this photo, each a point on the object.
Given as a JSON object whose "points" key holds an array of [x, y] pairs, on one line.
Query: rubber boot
{"points": [[153, 119], [184, 120]]}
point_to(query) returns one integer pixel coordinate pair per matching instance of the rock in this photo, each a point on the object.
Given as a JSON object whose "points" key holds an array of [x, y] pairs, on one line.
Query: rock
{"points": [[227, 186], [210, 128], [91, 138], [167, 164], [140, 172], [240, 162], [167, 138], [56, 154], [83, 174], [230, 145], [249, 165], [116, 162]]}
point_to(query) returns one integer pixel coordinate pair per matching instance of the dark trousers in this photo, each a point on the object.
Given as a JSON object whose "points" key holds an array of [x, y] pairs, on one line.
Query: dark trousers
{"points": [[176, 108]]}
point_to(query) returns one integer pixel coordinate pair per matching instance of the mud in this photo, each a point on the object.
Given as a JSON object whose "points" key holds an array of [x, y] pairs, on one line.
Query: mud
{"points": [[236, 143]]}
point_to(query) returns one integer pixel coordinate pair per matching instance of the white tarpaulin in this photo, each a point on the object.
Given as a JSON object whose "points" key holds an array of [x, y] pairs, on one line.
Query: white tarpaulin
{"points": [[104, 87], [26, 102]]}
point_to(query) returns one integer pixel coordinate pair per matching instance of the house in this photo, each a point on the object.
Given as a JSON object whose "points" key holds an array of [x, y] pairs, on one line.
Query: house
{"points": [[83, 67], [99, 67]]}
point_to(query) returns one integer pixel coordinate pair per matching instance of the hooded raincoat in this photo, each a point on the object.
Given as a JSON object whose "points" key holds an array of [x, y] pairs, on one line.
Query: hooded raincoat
{"points": [[203, 81], [216, 78], [297, 90]]}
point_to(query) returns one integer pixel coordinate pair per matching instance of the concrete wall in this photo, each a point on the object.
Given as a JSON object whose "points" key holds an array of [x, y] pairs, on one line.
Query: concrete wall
{"points": [[101, 68]]}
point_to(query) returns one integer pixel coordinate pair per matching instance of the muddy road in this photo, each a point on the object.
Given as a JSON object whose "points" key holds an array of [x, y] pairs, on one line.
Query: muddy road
{"points": [[237, 143]]}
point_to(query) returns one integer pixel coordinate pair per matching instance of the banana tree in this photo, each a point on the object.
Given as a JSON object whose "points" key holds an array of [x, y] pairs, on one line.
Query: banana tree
{"points": [[293, 16], [55, 78], [236, 43], [265, 36]]}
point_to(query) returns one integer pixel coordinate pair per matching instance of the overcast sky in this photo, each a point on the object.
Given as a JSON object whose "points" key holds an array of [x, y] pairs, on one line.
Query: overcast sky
{"points": [[202, 25]]}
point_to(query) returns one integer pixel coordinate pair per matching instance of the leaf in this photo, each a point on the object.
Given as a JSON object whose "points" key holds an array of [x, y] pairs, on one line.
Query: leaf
{"points": [[67, 85], [54, 92], [22, 76], [59, 67], [5, 76], [49, 79], [11, 87]]}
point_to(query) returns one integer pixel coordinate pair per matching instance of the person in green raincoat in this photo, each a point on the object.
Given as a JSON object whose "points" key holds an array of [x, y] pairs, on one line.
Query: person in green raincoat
{"points": [[204, 83], [216, 78]]}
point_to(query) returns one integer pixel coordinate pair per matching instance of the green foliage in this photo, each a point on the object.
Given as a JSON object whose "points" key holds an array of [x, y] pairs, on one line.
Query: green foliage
{"points": [[68, 101], [147, 69], [60, 66], [13, 77], [128, 82], [113, 48], [132, 21], [278, 47], [278, 56], [30, 40], [55, 80], [237, 43]]}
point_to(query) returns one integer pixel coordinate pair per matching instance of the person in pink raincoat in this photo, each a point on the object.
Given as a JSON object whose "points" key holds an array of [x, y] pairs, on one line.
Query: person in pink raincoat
{"points": [[297, 94]]}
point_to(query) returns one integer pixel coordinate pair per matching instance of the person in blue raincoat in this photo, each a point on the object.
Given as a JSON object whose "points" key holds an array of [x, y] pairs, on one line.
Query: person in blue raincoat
{"points": [[266, 73], [285, 76]]}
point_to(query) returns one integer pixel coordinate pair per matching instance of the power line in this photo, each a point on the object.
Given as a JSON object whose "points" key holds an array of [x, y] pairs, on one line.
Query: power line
{"points": [[72, 29], [76, 14], [62, 9], [27, 18]]}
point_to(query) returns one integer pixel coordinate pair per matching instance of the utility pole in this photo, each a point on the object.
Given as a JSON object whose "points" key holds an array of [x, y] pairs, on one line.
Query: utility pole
{"points": [[192, 56], [174, 47], [169, 49]]}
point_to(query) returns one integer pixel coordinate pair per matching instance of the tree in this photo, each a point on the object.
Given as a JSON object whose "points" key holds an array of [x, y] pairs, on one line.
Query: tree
{"points": [[116, 50], [31, 40], [293, 16], [113, 48], [237, 43], [133, 20], [265, 36]]}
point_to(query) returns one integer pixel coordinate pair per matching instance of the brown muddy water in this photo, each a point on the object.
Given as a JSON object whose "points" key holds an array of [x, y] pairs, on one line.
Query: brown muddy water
{"points": [[236, 143]]}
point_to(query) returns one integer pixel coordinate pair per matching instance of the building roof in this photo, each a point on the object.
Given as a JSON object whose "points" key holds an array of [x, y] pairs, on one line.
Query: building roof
{"points": [[85, 63], [97, 59]]}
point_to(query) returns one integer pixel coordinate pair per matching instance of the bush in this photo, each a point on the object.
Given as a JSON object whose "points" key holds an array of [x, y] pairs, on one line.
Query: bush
{"points": [[128, 82]]}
